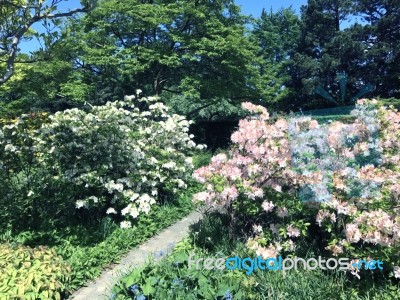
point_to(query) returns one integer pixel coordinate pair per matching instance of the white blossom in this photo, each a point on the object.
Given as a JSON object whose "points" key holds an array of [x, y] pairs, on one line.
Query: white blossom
{"points": [[111, 211], [126, 224]]}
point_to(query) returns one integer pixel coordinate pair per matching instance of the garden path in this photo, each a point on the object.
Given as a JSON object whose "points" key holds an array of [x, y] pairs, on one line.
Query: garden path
{"points": [[101, 288]]}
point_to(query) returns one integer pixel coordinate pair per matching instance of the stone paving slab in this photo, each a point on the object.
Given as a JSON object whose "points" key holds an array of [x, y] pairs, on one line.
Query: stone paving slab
{"points": [[101, 288]]}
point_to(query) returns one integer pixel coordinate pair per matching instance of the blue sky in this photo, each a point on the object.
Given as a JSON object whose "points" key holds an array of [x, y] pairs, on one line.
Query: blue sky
{"points": [[254, 7]]}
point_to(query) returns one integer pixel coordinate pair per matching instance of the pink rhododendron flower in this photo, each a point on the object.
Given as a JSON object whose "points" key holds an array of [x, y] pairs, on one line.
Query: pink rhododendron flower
{"points": [[314, 124], [229, 193], [267, 252], [335, 249], [219, 158], [257, 229], [267, 206], [353, 234], [293, 231]]}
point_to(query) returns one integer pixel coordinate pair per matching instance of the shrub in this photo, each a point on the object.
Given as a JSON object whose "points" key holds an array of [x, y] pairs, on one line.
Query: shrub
{"points": [[32, 273], [116, 159], [347, 173]]}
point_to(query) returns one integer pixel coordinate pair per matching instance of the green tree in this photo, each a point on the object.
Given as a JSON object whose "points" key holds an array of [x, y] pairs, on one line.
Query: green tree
{"points": [[382, 35], [194, 53], [367, 53], [42, 85], [277, 35], [324, 51]]}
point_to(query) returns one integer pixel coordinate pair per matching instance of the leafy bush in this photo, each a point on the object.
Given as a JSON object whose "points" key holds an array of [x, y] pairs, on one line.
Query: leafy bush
{"points": [[201, 159], [347, 174], [390, 102], [118, 159], [327, 115], [32, 273]]}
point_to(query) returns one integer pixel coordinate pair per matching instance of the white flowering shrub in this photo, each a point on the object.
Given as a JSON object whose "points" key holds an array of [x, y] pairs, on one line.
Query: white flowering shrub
{"points": [[116, 159]]}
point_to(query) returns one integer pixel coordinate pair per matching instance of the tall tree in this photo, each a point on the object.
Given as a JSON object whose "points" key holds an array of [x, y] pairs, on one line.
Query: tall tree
{"points": [[323, 52], [277, 35], [382, 35], [192, 49]]}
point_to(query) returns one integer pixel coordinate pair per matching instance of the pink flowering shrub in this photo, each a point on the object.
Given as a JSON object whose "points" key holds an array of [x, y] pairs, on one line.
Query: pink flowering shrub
{"points": [[295, 182]]}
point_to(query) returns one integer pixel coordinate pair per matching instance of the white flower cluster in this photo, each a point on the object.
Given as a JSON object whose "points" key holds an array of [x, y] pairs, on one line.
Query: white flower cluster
{"points": [[116, 154]]}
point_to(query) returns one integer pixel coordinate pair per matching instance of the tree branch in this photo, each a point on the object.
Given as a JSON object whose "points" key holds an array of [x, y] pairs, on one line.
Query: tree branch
{"points": [[12, 53], [118, 36], [199, 109], [171, 91], [14, 48], [65, 14]]}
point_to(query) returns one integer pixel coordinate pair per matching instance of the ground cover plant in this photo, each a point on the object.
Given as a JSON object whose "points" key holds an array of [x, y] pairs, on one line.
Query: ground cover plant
{"points": [[295, 187], [32, 273]]}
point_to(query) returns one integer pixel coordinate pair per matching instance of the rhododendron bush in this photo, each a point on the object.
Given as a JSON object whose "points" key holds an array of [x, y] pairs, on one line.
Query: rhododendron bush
{"points": [[291, 182], [116, 159]]}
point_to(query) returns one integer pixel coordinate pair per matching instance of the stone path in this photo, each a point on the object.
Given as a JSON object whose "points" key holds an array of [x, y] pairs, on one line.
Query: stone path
{"points": [[101, 288]]}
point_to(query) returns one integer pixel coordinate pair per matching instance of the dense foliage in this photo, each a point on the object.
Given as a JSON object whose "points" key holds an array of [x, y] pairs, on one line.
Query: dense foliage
{"points": [[203, 59], [173, 279], [28, 273], [86, 247]]}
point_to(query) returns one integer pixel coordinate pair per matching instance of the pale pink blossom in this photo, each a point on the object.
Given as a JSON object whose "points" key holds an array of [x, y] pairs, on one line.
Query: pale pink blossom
{"points": [[313, 124], [293, 231], [335, 249], [257, 229], [267, 206], [353, 234]]}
